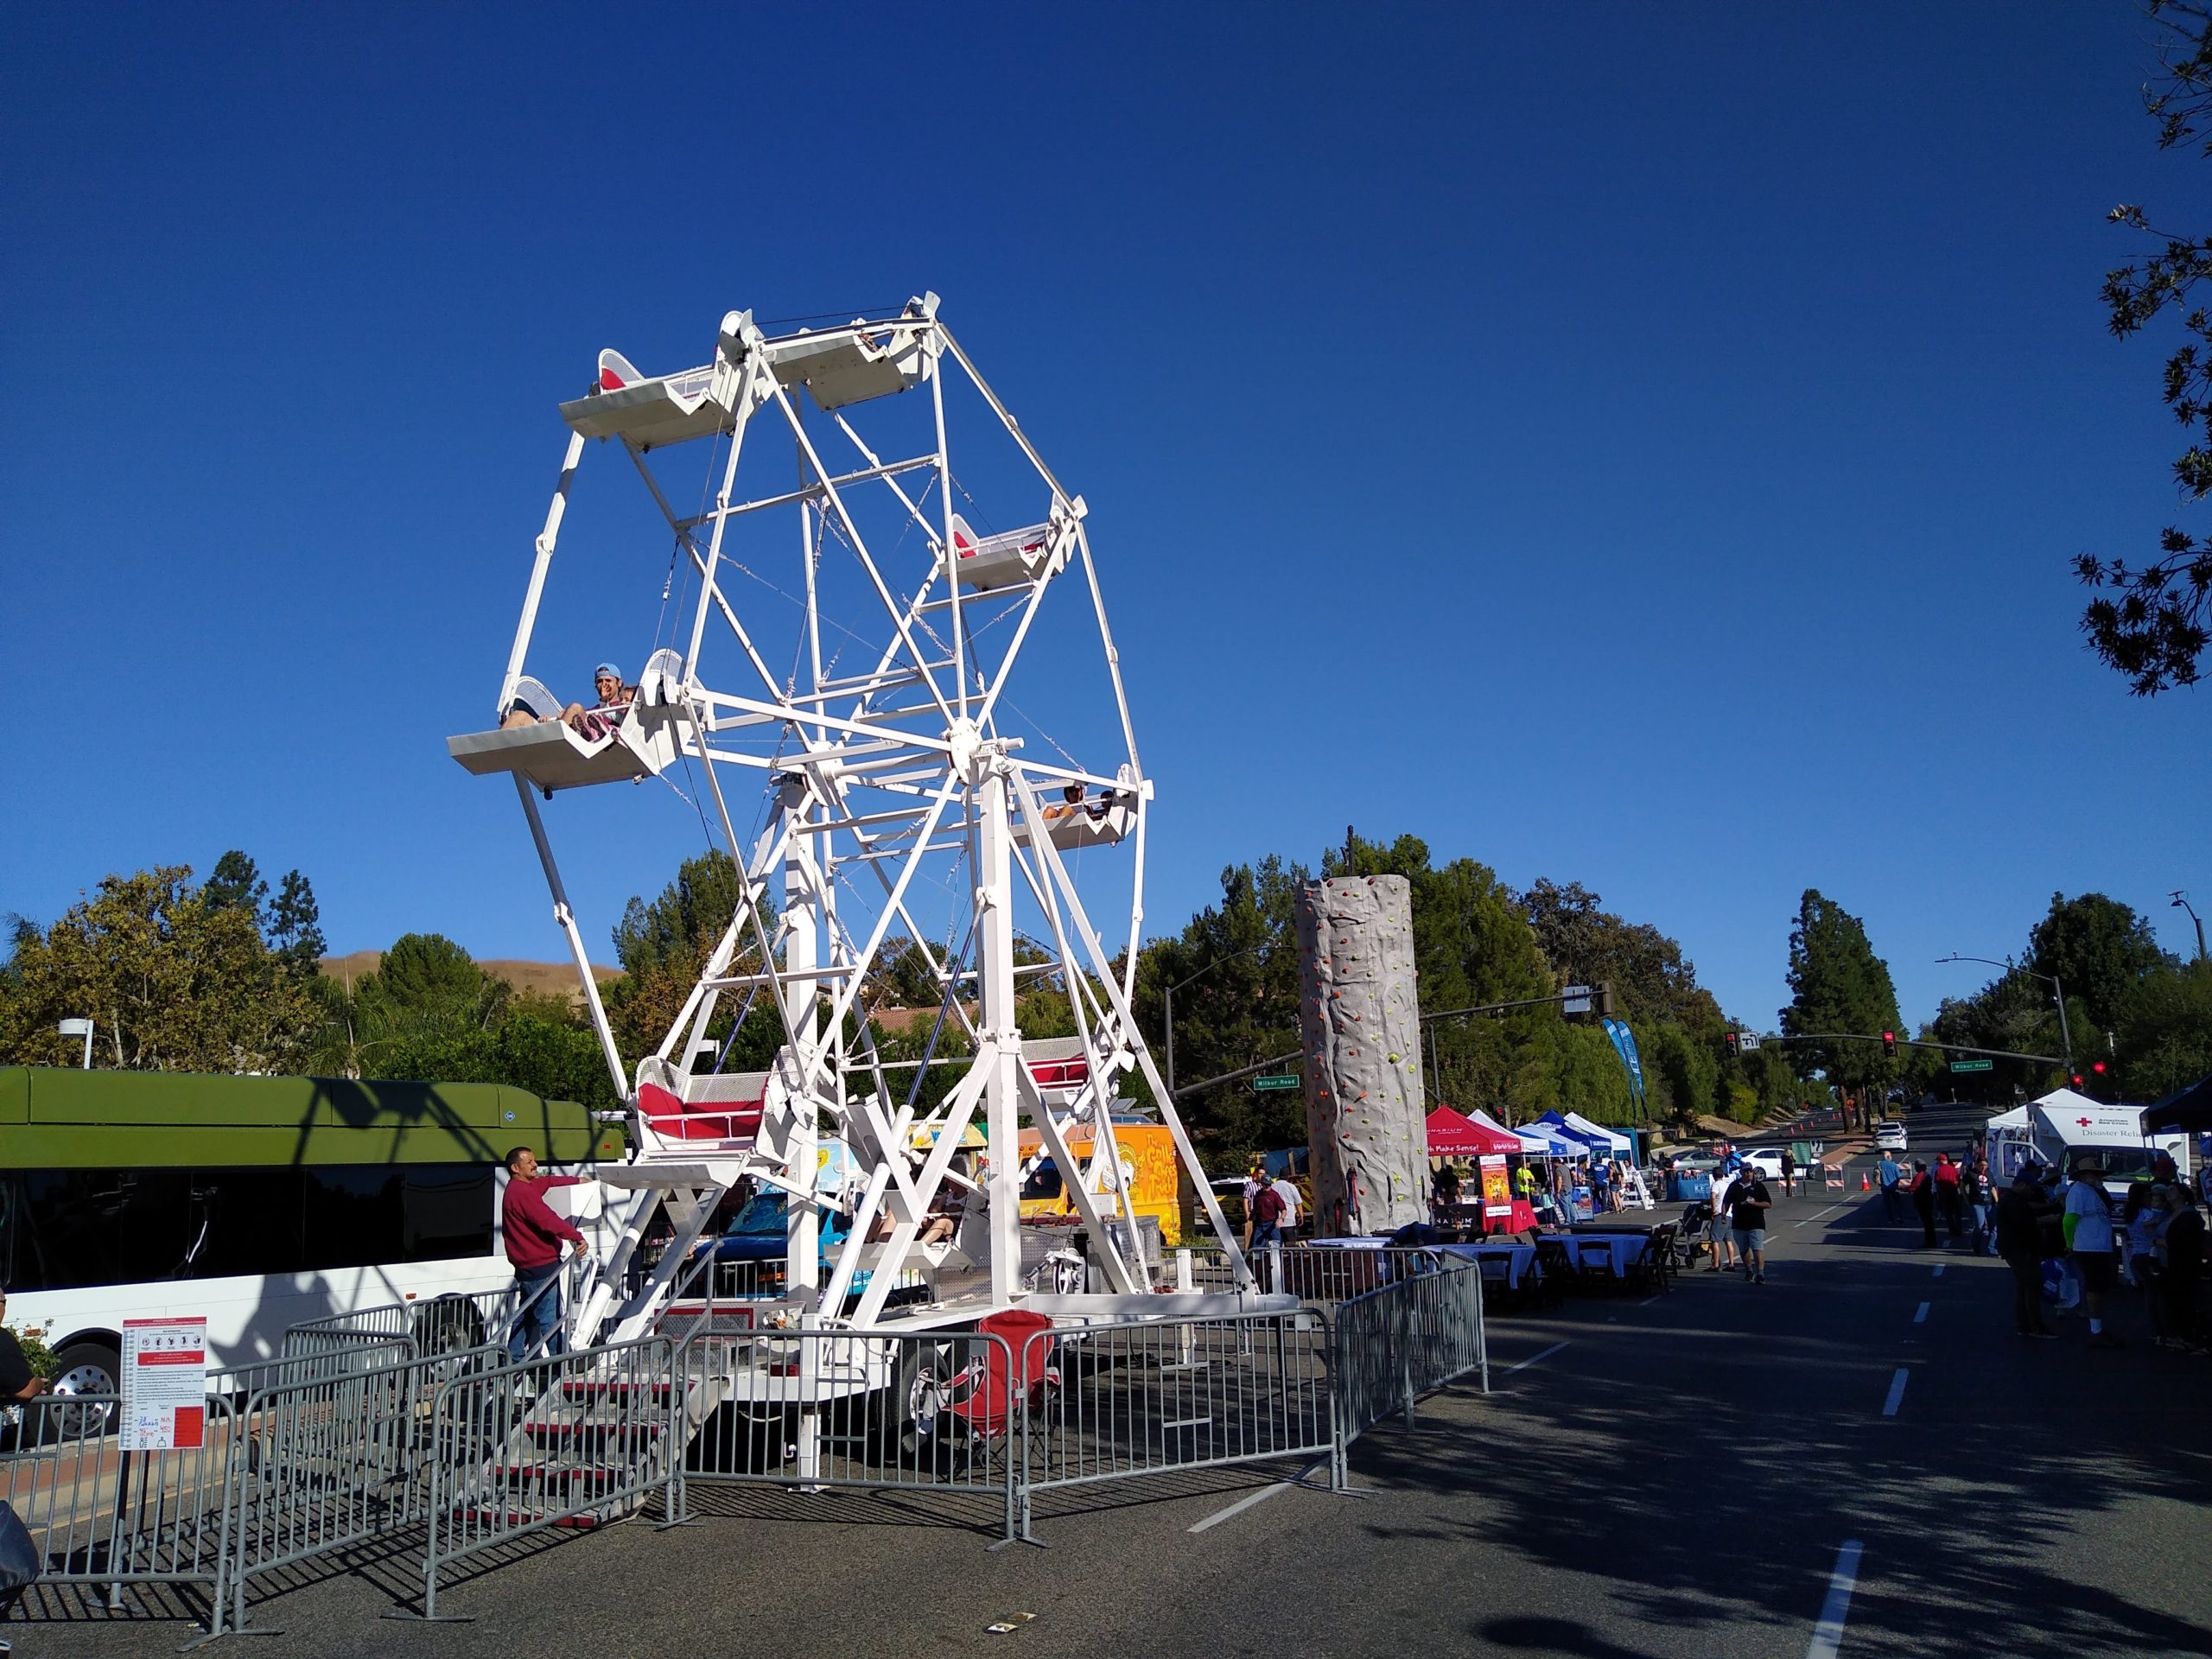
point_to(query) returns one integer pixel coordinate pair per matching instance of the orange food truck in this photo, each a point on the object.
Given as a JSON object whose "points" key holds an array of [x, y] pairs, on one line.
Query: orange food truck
{"points": [[1148, 1164]]}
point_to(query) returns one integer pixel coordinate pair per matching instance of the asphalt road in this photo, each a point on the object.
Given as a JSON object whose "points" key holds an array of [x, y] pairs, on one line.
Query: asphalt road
{"points": [[1682, 1477]]}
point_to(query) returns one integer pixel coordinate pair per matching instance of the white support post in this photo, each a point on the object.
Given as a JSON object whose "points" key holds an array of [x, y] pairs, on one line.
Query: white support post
{"points": [[994, 959], [546, 538], [567, 919]]}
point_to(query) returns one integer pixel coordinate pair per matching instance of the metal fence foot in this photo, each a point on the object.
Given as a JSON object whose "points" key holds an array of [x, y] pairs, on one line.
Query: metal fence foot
{"points": [[206, 1637]]}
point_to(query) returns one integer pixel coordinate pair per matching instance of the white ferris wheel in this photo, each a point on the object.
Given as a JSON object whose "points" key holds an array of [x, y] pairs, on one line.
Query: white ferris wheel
{"points": [[852, 695]]}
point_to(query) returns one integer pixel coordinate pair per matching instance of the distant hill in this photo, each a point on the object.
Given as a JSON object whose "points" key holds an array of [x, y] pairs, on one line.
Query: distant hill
{"points": [[548, 978]]}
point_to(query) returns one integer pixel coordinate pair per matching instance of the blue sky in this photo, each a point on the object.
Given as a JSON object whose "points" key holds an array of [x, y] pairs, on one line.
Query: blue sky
{"points": [[1687, 414]]}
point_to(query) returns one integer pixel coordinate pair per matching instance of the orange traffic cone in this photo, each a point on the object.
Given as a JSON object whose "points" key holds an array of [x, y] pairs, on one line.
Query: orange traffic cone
{"points": [[1864, 1185]]}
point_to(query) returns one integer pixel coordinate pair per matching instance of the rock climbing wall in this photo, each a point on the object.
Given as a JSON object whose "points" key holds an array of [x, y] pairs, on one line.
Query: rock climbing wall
{"points": [[1362, 1026]]}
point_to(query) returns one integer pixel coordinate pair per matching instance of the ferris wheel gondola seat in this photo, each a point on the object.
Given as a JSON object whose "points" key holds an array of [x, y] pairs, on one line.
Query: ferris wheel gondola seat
{"points": [[553, 755], [725, 1109], [1006, 560], [1073, 825]]}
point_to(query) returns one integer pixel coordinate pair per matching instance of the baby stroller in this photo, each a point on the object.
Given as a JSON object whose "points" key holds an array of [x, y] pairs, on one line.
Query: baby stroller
{"points": [[1689, 1235]]}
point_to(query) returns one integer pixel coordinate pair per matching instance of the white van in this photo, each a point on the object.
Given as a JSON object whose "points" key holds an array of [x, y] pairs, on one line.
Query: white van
{"points": [[2063, 1127]]}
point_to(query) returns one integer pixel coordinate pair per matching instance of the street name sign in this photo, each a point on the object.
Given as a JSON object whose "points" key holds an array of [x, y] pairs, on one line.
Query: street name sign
{"points": [[1289, 1082], [1971, 1065]]}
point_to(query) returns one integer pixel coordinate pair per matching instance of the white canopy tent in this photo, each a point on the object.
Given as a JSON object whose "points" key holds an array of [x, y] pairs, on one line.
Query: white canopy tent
{"points": [[1621, 1144], [1535, 1142]]}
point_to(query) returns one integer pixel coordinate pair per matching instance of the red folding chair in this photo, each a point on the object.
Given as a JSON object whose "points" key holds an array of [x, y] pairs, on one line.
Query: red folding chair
{"points": [[983, 1396]]}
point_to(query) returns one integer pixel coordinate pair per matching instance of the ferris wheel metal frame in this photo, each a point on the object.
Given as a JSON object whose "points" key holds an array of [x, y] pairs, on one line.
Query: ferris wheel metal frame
{"points": [[874, 778]]}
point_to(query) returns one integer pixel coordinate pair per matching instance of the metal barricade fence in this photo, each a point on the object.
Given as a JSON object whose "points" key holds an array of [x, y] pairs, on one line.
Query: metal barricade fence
{"points": [[455, 1322], [570, 1441], [333, 1459], [1123, 1400], [100, 1515], [922, 1412], [1408, 1339]]}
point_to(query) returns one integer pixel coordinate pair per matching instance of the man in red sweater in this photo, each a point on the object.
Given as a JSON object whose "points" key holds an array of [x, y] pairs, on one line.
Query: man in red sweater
{"points": [[533, 1234]]}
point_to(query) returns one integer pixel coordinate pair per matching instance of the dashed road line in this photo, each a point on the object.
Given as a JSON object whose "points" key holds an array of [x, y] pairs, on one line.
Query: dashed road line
{"points": [[1940, 1266], [1810, 1219], [1827, 1635], [1897, 1392], [1921, 1317], [1533, 1358]]}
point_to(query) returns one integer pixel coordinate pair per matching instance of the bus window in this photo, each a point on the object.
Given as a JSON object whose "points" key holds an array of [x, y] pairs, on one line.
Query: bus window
{"points": [[352, 1216], [246, 1221], [100, 1227], [446, 1210]]}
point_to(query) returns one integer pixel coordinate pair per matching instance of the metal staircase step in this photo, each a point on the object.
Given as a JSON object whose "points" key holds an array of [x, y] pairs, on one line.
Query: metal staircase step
{"points": [[595, 1475], [523, 1518], [550, 1434]]}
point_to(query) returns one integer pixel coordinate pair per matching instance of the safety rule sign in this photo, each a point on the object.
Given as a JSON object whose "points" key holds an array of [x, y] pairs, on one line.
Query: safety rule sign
{"points": [[164, 1384]]}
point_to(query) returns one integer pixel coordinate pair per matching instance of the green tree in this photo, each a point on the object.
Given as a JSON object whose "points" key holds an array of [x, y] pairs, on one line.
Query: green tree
{"points": [[172, 982], [2164, 1033], [2152, 627], [1838, 988], [294, 931], [2098, 949], [235, 883]]}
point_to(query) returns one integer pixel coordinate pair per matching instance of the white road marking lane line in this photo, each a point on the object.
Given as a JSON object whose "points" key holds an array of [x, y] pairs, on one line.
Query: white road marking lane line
{"points": [[1940, 1266], [1648, 1301], [1897, 1392], [1533, 1358], [1243, 1504], [1827, 1635], [1921, 1317], [1809, 1220]]}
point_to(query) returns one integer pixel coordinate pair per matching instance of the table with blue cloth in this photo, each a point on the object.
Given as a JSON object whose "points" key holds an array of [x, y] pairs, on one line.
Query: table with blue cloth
{"points": [[1510, 1265]]}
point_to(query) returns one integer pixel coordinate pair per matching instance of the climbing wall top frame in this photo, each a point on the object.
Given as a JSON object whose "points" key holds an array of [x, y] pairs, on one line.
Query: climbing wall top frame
{"points": [[850, 685]]}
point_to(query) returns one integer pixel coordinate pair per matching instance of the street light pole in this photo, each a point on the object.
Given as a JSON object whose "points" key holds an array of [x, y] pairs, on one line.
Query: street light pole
{"points": [[80, 1028], [2181, 903], [2058, 991]]}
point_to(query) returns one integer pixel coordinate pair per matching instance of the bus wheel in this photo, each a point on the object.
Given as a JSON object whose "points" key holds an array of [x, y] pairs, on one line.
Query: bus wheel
{"points": [[82, 1368]]}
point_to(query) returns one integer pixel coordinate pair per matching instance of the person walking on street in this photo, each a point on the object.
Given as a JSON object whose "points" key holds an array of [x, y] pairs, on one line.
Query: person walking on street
{"points": [[1748, 1202], [2184, 1248], [1923, 1203], [1948, 1197], [1981, 1201], [1716, 1229], [1788, 1173], [2019, 1241], [533, 1234], [2089, 1237], [1888, 1174], [1267, 1218]]}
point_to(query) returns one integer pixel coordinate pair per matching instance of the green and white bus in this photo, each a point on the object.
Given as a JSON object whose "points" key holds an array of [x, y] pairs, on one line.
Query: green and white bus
{"points": [[257, 1202]]}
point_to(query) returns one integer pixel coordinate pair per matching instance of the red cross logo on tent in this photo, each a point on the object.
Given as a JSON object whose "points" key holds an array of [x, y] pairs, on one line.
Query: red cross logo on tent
{"points": [[2083, 1121]]}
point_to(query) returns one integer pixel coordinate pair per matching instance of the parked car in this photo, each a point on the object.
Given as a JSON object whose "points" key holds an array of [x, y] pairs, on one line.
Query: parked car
{"points": [[1765, 1160]]}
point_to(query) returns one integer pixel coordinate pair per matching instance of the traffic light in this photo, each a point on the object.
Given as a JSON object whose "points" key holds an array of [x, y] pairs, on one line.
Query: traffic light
{"points": [[1605, 998], [1890, 1043], [2097, 1072], [1731, 1040]]}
